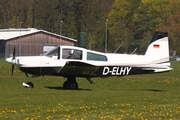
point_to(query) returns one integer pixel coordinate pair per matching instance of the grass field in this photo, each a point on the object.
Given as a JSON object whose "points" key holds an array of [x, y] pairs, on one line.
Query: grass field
{"points": [[140, 97]]}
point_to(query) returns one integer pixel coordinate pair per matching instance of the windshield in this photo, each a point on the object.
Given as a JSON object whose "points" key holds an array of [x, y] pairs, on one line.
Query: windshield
{"points": [[54, 53]]}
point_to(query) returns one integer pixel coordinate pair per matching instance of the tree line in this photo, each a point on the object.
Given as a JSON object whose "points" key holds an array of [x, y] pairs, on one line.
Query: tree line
{"points": [[130, 24]]}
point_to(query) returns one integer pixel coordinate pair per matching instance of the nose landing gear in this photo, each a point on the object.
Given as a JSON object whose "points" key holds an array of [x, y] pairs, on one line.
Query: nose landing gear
{"points": [[28, 84]]}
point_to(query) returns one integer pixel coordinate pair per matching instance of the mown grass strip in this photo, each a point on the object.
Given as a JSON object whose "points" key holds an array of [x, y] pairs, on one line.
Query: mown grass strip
{"points": [[154, 96]]}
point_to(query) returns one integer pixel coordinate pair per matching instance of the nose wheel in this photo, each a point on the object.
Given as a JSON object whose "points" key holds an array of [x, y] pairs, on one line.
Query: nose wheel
{"points": [[28, 85]]}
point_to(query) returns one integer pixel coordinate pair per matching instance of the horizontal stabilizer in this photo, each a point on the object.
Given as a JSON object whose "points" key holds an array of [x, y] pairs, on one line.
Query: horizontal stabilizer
{"points": [[153, 66], [156, 67]]}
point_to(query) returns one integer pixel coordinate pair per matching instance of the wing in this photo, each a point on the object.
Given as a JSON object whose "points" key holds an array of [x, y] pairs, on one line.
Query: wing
{"points": [[78, 69]]}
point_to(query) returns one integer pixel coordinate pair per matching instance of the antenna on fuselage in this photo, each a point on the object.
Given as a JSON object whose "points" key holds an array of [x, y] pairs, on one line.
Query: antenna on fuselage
{"points": [[117, 48], [134, 51]]}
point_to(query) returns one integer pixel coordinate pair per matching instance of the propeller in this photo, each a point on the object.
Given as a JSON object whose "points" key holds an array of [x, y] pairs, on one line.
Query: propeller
{"points": [[12, 71], [14, 53]]}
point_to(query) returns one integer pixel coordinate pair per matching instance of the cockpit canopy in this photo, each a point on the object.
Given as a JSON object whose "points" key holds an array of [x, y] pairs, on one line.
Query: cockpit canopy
{"points": [[75, 53], [67, 53]]}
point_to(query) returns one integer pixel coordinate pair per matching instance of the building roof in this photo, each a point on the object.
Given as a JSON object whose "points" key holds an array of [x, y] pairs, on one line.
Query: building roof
{"points": [[6, 34]]}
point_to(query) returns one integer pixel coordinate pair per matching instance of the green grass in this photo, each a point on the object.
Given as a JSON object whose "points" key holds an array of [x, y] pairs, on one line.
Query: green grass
{"points": [[140, 97]]}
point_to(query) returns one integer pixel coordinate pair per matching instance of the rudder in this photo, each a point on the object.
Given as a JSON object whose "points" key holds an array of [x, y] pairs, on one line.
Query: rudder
{"points": [[158, 49]]}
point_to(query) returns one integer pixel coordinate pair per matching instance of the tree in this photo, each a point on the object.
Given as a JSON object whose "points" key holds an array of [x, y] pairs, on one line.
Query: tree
{"points": [[91, 19], [130, 23], [173, 27], [6, 13], [118, 21], [138, 19]]}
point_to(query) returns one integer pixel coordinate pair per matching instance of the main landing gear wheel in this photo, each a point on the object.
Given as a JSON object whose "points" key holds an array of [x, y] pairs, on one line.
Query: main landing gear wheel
{"points": [[70, 84]]}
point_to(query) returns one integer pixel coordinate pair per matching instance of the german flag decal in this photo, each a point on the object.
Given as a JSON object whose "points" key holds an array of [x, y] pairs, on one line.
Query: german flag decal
{"points": [[156, 46]]}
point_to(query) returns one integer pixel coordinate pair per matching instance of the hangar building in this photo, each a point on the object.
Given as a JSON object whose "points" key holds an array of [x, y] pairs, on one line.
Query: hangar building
{"points": [[30, 41]]}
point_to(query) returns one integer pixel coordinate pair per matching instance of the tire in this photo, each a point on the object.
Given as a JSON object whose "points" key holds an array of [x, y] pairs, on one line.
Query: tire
{"points": [[65, 85], [31, 85], [72, 85]]}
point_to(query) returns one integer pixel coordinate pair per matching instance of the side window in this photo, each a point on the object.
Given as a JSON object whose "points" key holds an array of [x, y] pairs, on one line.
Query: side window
{"points": [[71, 54], [96, 57]]}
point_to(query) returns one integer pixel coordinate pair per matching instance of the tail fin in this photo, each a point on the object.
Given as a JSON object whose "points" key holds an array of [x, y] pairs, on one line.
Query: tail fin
{"points": [[158, 49]]}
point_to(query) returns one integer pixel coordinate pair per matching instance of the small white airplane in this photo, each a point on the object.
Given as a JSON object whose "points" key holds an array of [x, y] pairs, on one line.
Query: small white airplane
{"points": [[71, 62]]}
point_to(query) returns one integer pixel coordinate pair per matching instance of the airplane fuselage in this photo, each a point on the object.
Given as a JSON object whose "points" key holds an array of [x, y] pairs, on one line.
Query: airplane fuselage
{"points": [[108, 65], [72, 62]]}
